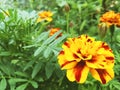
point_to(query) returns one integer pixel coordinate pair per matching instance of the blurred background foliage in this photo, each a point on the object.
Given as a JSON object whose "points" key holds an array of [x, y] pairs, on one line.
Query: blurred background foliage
{"points": [[28, 57]]}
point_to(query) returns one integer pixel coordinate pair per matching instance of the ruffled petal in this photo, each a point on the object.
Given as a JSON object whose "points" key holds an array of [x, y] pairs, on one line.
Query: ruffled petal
{"points": [[103, 59], [71, 51], [103, 75], [101, 62]]}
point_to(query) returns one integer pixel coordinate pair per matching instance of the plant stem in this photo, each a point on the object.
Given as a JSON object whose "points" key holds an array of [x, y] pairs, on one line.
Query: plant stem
{"points": [[42, 26], [67, 18]]}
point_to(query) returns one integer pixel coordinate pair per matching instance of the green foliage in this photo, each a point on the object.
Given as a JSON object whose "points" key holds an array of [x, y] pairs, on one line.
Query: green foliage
{"points": [[28, 55]]}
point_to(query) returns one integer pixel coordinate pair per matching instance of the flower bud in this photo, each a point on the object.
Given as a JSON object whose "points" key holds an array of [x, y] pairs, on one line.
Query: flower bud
{"points": [[67, 7], [103, 27]]}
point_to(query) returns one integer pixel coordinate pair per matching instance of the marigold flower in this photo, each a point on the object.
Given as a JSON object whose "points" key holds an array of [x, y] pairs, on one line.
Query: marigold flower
{"points": [[45, 15], [83, 55], [109, 18], [118, 18], [54, 30]]}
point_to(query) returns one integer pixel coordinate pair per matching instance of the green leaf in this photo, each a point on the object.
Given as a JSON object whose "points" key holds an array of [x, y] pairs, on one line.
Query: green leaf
{"points": [[50, 39], [1, 15], [58, 40], [5, 68], [34, 84], [29, 64], [36, 69], [39, 50], [23, 74], [5, 53], [3, 84], [44, 45], [49, 69], [12, 83], [47, 52], [42, 36], [22, 87], [82, 25], [58, 71], [20, 80]]}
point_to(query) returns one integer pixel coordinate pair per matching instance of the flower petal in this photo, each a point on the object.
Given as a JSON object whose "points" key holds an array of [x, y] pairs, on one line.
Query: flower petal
{"points": [[39, 20], [103, 59], [103, 75], [68, 64], [65, 64], [101, 62], [79, 73]]}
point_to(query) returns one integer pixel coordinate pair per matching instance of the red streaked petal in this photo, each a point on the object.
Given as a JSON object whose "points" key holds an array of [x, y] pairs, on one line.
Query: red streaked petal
{"points": [[68, 64], [78, 73], [101, 62], [103, 75], [67, 44]]}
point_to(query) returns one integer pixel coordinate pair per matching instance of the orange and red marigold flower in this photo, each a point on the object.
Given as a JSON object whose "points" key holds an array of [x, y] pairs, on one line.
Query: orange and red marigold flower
{"points": [[82, 55], [45, 15], [111, 18]]}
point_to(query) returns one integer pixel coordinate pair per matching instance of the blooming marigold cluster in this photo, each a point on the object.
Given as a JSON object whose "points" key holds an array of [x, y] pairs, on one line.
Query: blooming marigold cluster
{"points": [[54, 30], [111, 18], [45, 15], [82, 55]]}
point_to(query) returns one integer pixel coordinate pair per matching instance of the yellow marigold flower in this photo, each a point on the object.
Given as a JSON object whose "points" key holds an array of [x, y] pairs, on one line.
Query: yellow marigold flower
{"points": [[54, 30], [45, 15], [109, 18], [82, 55]]}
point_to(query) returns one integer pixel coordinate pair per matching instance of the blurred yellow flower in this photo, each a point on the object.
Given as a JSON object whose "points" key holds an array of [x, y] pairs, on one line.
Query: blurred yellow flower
{"points": [[45, 15], [83, 55]]}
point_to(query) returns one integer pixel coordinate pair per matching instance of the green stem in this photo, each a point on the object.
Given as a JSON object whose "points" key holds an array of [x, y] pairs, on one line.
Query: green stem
{"points": [[31, 3], [67, 18], [42, 26]]}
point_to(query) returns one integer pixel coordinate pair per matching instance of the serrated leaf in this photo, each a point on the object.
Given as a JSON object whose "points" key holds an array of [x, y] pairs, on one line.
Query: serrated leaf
{"points": [[41, 37], [36, 69], [34, 84], [22, 87], [58, 40], [3, 84], [50, 39], [49, 69], [39, 50]]}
